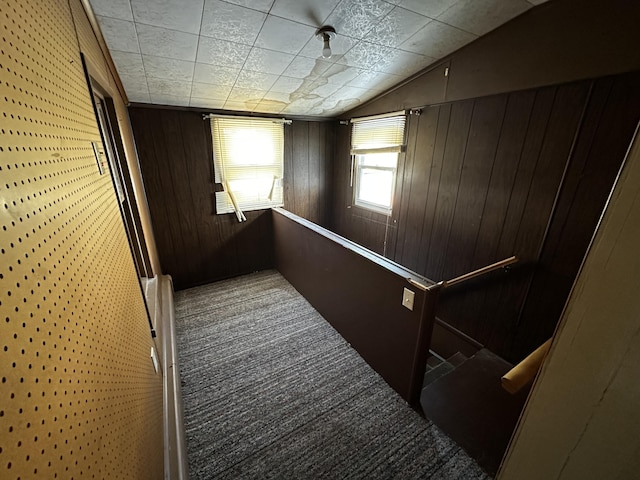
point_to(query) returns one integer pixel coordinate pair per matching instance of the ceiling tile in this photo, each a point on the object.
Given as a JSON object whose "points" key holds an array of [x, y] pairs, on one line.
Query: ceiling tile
{"points": [[135, 78], [212, 92], [112, 8], [221, 52], [127, 63], [163, 42], [403, 63], [169, 68], [432, 8], [162, 86], [482, 16], [309, 12], [270, 106], [397, 27], [166, 99], [262, 5], [284, 35], [119, 34], [206, 103], [323, 88], [302, 106], [139, 97], [241, 106], [340, 45], [437, 40], [245, 94], [276, 97], [355, 18], [231, 22], [214, 74], [257, 80], [374, 80], [286, 85], [135, 86], [341, 74], [303, 67], [365, 54], [182, 16], [267, 61]]}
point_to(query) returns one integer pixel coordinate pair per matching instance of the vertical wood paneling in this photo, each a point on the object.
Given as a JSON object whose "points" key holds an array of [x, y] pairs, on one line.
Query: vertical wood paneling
{"points": [[608, 126], [418, 182], [315, 175], [444, 117], [448, 187], [480, 183], [404, 185], [300, 167], [195, 245], [486, 124]]}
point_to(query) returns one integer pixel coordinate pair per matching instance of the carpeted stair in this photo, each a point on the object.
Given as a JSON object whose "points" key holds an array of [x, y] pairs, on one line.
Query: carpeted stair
{"points": [[464, 397]]}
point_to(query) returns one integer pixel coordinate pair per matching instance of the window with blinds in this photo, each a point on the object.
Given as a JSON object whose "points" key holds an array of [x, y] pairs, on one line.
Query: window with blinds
{"points": [[248, 162], [375, 145]]}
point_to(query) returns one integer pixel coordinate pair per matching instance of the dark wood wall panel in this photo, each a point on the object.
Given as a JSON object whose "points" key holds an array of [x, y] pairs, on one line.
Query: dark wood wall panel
{"points": [[608, 125], [195, 245], [307, 157], [523, 173]]}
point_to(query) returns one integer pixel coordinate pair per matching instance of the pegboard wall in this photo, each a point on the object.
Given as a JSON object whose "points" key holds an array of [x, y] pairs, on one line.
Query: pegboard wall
{"points": [[79, 397]]}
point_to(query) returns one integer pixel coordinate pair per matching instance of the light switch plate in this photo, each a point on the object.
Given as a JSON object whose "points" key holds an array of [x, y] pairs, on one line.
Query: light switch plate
{"points": [[407, 298]]}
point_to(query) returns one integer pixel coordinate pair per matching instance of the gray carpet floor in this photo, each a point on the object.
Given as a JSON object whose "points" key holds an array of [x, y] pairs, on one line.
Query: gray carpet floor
{"points": [[271, 390]]}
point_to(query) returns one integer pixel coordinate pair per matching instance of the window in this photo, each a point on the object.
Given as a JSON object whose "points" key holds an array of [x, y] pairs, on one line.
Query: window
{"points": [[248, 159], [375, 144]]}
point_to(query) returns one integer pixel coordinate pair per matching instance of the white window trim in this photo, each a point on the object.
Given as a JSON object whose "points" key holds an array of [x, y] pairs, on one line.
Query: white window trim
{"points": [[388, 144]]}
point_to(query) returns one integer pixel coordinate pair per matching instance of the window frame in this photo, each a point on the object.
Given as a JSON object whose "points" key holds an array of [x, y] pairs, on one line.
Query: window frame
{"points": [[380, 134], [358, 167], [227, 172]]}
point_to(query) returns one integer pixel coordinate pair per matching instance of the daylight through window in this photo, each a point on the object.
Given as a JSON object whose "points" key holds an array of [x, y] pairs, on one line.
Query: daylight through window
{"points": [[248, 163], [375, 144]]}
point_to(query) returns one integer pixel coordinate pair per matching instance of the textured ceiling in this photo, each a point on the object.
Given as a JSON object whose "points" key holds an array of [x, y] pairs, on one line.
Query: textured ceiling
{"points": [[263, 55]]}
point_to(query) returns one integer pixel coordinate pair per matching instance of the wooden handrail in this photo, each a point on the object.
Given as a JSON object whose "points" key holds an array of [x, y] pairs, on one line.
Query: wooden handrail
{"points": [[523, 374], [480, 271]]}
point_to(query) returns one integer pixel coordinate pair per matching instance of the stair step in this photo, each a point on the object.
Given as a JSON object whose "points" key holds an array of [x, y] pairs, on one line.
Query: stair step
{"points": [[470, 406], [436, 372], [433, 361], [457, 359]]}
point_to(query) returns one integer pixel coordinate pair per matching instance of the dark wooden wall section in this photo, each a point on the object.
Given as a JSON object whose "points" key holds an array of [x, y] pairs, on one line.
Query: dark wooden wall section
{"points": [[479, 182], [195, 245], [360, 294], [307, 169]]}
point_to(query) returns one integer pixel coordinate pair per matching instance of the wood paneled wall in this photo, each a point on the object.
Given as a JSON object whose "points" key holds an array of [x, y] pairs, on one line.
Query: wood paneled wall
{"points": [[308, 169], [195, 245], [525, 173]]}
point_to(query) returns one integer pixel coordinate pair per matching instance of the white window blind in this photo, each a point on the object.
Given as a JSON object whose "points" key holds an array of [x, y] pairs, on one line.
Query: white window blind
{"points": [[375, 144], [378, 135], [248, 162]]}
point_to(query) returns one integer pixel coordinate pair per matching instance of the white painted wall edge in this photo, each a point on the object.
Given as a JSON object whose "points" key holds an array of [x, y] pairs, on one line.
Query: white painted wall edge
{"points": [[175, 451], [582, 417]]}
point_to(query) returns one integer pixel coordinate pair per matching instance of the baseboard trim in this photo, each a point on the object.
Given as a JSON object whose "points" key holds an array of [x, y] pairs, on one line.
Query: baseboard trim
{"points": [[175, 451]]}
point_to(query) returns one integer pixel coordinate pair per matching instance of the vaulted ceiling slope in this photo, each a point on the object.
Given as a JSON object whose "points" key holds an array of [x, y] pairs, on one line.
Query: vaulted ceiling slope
{"points": [[263, 55]]}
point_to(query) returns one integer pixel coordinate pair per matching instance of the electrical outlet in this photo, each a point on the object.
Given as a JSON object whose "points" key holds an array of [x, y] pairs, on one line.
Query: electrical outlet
{"points": [[407, 298]]}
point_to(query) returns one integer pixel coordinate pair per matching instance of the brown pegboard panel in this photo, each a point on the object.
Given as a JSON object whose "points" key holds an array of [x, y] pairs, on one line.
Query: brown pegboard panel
{"points": [[79, 397]]}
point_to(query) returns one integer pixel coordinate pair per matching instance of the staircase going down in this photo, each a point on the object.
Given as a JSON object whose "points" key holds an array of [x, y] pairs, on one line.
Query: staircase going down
{"points": [[464, 398]]}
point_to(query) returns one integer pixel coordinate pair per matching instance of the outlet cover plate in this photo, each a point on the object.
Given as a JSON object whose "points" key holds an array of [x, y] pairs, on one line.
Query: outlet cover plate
{"points": [[407, 298]]}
